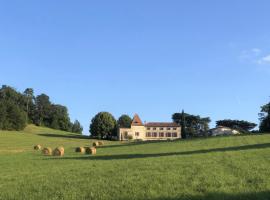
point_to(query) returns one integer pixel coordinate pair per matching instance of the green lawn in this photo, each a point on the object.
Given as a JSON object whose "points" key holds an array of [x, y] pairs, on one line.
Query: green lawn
{"points": [[215, 168]]}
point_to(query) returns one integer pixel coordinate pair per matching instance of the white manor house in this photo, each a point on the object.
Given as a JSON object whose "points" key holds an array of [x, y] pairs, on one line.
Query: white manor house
{"points": [[150, 131]]}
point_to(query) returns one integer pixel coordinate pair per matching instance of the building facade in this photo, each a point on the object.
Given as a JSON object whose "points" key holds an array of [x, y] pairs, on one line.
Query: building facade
{"points": [[150, 131]]}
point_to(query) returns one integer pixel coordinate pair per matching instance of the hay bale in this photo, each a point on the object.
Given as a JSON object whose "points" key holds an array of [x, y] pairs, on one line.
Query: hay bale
{"points": [[100, 143], [95, 144], [80, 150], [47, 151], [91, 150], [37, 147], [59, 151]]}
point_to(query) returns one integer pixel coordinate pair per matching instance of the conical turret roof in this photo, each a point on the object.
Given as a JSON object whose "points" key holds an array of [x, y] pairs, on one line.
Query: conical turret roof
{"points": [[136, 121]]}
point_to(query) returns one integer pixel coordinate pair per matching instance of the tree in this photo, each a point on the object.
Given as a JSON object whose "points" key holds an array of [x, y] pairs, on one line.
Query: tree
{"points": [[194, 124], [3, 115], [265, 118], [59, 118], [29, 95], [12, 114], [16, 117], [43, 109], [240, 125], [124, 121], [183, 125], [76, 127], [204, 125], [103, 125]]}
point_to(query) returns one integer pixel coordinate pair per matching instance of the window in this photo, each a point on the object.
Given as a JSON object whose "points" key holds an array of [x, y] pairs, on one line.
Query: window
{"points": [[125, 134], [174, 134], [154, 128], [174, 128], [148, 128], [161, 134], [154, 134], [168, 128], [161, 129], [148, 134], [137, 134], [168, 134]]}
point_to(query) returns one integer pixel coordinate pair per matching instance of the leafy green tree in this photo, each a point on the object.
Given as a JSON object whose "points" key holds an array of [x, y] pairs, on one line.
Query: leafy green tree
{"points": [[103, 125], [240, 125], [12, 114], [43, 110], [59, 118], [76, 127], [9, 94], [16, 117], [265, 118], [124, 121]]}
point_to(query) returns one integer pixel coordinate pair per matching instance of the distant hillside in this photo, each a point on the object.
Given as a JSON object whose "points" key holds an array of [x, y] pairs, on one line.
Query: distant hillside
{"points": [[33, 129]]}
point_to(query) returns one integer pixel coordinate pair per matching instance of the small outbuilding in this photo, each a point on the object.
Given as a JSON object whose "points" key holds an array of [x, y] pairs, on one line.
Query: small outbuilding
{"points": [[222, 130]]}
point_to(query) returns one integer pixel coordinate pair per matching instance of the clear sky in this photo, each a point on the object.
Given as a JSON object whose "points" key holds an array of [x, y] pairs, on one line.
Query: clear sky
{"points": [[150, 57]]}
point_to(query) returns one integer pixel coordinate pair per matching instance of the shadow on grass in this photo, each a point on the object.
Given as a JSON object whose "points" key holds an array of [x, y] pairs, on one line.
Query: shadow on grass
{"points": [[64, 136], [203, 151], [264, 195], [135, 143]]}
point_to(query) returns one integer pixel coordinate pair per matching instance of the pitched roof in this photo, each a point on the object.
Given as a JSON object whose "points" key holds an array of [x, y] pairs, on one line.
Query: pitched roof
{"points": [[136, 121], [162, 124]]}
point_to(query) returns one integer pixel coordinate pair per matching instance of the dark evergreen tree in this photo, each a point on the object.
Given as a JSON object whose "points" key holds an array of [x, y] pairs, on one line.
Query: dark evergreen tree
{"points": [[183, 125], [195, 125]]}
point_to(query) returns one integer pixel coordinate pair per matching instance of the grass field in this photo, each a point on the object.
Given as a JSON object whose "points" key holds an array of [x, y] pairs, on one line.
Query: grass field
{"points": [[215, 168]]}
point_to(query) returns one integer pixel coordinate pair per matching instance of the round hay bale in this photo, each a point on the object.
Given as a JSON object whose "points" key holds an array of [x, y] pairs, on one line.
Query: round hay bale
{"points": [[59, 151], [47, 151], [100, 143], [80, 150], [91, 150], [37, 147], [95, 144]]}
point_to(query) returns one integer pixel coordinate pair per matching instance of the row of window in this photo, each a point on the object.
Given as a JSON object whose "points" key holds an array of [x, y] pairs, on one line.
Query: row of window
{"points": [[168, 128], [154, 134]]}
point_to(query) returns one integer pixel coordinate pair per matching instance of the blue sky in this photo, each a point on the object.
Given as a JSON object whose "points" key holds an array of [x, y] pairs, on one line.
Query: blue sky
{"points": [[150, 57]]}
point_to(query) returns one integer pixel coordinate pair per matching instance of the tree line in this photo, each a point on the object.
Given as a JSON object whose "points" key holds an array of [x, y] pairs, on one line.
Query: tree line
{"points": [[19, 109], [194, 125]]}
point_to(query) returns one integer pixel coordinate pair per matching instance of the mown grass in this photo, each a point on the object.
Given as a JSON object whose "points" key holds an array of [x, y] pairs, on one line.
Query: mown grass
{"points": [[214, 168]]}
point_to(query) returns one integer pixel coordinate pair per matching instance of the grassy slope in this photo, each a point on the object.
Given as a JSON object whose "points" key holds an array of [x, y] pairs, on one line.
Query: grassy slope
{"points": [[214, 168]]}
